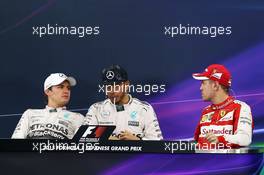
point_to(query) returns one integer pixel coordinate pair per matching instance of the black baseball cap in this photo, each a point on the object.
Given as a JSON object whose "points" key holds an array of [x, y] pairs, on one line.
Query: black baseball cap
{"points": [[114, 74]]}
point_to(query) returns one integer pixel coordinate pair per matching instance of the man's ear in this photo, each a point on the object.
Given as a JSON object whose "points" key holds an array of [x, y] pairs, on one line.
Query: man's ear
{"points": [[127, 83], [47, 92], [216, 85]]}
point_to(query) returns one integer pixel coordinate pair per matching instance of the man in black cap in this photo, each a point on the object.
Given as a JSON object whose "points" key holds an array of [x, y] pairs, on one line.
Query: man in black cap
{"points": [[134, 119]]}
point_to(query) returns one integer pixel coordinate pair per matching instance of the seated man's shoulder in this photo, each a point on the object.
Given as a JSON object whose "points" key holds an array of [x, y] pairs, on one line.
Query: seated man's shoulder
{"points": [[207, 109], [75, 114], [241, 103], [141, 103], [34, 111], [99, 103]]}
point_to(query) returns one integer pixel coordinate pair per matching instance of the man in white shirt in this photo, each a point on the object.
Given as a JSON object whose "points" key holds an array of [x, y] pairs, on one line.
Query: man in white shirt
{"points": [[134, 119], [54, 121]]}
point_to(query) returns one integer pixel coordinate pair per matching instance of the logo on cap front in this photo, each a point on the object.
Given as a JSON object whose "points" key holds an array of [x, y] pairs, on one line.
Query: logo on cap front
{"points": [[110, 75], [62, 75], [217, 75]]}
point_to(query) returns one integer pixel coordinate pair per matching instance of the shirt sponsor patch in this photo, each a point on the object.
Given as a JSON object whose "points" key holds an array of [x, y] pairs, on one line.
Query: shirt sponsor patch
{"points": [[227, 117], [105, 113], [133, 115], [207, 117], [105, 123], [133, 123], [217, 130], [64, 123]]}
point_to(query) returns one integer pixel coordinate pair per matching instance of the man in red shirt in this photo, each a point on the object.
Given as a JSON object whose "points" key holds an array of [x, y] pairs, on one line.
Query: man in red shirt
{"points": [[227, 122]]}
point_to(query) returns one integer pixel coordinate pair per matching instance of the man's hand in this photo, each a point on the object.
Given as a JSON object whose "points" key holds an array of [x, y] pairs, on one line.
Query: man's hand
{"points": [[113, 137], [125, 135], [211, 138]]}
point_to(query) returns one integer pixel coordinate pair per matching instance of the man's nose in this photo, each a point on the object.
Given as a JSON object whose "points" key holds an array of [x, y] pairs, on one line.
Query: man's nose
{"points": [[201, 87], [111, 93], [110, 89], [66, 90]]}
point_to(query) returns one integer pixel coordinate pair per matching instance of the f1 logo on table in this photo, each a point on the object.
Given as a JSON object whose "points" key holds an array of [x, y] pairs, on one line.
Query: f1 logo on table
{"points": [[94, 132]]}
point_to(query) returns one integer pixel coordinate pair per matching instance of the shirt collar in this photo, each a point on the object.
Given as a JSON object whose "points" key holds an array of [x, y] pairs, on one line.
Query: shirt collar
{"points": [[130, 99], [129, 102], [51, 109], [222, 105]]}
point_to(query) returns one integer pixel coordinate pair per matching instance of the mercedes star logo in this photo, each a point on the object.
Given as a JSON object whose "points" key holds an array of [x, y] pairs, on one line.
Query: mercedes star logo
{"points": [[110, 75]]}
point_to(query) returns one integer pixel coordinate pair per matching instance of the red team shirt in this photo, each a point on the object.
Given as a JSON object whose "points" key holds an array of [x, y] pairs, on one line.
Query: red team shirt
{"points": [[231, 121]]}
